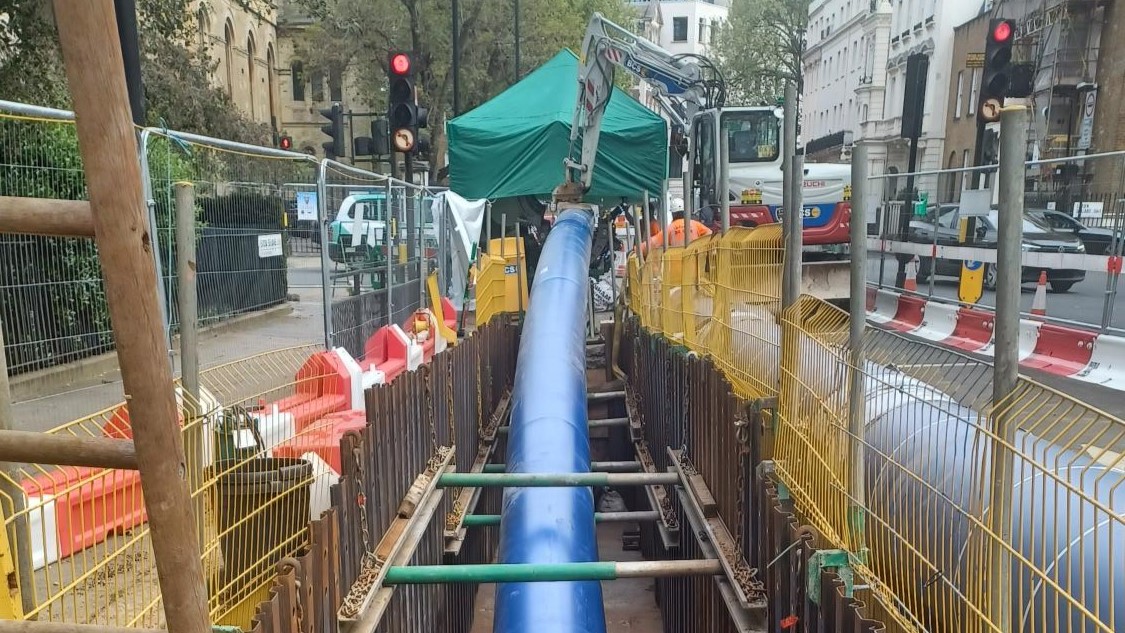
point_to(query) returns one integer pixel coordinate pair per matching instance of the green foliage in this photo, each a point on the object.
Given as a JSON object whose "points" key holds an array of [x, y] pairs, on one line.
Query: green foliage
{"points": [[760, 48], [357, 34], [52, 302], [177, 78]]}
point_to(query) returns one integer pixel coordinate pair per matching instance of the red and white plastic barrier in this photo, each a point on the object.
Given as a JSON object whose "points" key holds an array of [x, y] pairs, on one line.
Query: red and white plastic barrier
{"points": [[75, 508], [1056, 349]]}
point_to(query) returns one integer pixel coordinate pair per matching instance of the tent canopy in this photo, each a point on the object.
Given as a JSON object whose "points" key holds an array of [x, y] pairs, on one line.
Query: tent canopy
{"points": [[514, 145]]}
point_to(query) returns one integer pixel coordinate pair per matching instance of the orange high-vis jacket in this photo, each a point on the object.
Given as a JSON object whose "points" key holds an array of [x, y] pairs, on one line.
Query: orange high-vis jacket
{"points": [[676, 234]]}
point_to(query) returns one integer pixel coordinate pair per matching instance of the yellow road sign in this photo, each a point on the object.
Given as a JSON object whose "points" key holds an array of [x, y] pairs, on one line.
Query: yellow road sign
{"points": [[972, 281], [972, 273]]}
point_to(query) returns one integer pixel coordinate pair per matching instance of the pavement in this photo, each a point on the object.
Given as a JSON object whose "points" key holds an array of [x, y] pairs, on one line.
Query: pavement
{"points": [[298, 323]]}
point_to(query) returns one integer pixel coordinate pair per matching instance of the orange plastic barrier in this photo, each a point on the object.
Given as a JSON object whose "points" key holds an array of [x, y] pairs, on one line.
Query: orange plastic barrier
{"points": [[385, 352], [90, 504], [323, 437]]}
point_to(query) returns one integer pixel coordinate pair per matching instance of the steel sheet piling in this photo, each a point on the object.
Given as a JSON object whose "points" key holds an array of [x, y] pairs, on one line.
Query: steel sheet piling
{"points": [[549, 435]]}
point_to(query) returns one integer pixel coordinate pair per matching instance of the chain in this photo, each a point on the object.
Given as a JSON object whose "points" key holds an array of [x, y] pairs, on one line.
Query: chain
{"points": [[453, 517], [740, 486], [449, 404], [427, 381], [290, 563], [685, 428], [369, 565], [744, 575]]}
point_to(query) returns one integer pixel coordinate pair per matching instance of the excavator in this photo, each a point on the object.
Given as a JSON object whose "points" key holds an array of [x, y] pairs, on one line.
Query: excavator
{"points": [[691, 92]]}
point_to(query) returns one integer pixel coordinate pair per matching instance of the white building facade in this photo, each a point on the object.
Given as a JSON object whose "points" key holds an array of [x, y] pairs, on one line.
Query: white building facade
{"points": [[679, 27], [855, 81], [838, 60]]}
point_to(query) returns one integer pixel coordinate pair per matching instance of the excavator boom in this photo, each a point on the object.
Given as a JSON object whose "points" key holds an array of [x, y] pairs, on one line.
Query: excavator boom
{"points": [[681, 84]]}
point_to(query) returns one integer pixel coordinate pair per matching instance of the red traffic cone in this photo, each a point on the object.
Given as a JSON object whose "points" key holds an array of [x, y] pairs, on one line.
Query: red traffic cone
{"points": [[1039, 304], [911, 283]]}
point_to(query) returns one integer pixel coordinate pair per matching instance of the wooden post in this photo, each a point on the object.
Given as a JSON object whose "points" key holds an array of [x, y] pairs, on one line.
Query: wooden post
{"points": [[42, 216], [26, 447], [95, 73]]}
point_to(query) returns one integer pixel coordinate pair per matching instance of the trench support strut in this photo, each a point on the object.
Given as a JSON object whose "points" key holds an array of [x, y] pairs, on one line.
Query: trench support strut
{"points": [[549, 572], [478, 520], [554, 480]]}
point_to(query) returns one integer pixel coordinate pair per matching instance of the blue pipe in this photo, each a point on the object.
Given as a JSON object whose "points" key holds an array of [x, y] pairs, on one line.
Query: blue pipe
{"points": [[549, 435]]}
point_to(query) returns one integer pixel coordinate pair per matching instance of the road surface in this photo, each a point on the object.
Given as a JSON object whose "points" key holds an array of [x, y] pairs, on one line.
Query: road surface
{"points": [[1083, 304]]}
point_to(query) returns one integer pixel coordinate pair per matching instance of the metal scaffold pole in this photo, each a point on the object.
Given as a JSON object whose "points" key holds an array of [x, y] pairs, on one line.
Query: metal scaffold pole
{"points": [[94, 68], [791, 223], [857, 392], [1013, 147]]}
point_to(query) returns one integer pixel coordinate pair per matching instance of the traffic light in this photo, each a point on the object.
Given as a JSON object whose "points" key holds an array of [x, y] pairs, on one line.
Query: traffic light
{"points": [[335, 130], [404, 115], [997, 78], [285, 142]]}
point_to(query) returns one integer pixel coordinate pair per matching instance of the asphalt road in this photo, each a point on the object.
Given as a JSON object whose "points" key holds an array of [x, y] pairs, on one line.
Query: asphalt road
{"points": [[1082, 304]]}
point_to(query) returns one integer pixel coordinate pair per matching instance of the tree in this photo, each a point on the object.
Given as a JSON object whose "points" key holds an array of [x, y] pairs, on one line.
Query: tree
{"points": [[358, 34], [179, 92], [760, 48]]}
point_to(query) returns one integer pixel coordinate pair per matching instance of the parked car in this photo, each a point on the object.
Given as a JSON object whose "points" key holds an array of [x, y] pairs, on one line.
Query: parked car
{"points": [[1037, 236], [1097, 240]]}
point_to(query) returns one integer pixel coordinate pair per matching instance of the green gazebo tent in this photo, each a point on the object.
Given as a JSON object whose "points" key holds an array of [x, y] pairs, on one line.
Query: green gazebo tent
{"points": [[514, 145]]}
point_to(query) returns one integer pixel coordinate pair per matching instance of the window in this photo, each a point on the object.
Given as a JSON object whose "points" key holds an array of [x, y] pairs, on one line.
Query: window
{"points": [[973, 91], [204, 28], [228, 57], [752, 137], [297, 70], [960, 95], [335, 83], [965, 176], [271, 83], [702, 31], [318, 85], [715, 29], [251, 52], [947, 219], [679, 29], [704, 140]]}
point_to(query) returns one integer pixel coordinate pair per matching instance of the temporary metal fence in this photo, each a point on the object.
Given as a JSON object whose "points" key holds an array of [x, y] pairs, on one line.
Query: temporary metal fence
{"points": [[1074, 230], [262, 216], [441, 418], [243, 194], [81, 533], [382, 241], [919, 545], [52, 303]]}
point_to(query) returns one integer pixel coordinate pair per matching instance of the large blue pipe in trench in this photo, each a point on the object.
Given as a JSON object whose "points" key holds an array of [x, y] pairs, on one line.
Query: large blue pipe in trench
{"points": [[549, 435]]}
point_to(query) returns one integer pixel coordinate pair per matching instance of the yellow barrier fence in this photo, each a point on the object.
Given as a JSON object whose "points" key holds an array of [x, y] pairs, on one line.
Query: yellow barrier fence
{"points": [[930, 548], [85, 530], [719, 296]]}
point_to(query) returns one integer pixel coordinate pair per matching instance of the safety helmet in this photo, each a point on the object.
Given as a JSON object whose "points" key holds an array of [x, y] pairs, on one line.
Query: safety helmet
{"points": [[677, 205]]}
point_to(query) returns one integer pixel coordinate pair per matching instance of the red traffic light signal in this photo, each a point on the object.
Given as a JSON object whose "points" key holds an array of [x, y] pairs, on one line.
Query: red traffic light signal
{"points": [[400, 64], [286, 142], [1002, 31]]}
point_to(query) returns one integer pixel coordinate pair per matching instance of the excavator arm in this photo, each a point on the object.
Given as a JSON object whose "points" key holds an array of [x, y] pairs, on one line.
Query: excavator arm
{"points": [[684, 84]]}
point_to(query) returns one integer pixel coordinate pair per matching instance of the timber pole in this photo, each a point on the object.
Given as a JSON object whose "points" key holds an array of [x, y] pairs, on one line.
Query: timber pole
{"points": [[42, 216], [94, 68]]}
